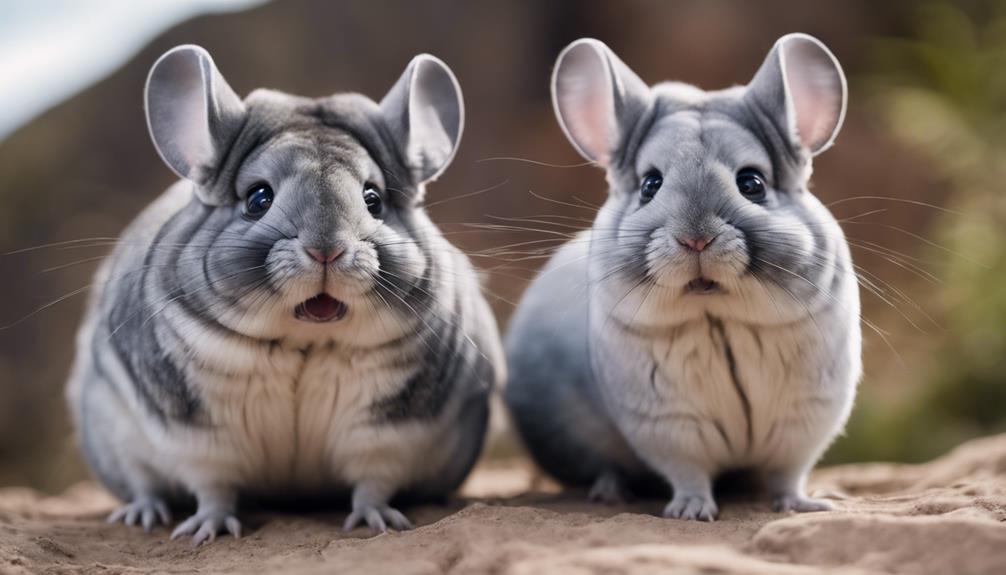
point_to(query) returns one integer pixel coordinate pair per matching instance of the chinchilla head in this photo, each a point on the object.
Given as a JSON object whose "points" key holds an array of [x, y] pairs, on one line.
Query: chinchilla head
{"points": [[709, 210], [309, 209]]}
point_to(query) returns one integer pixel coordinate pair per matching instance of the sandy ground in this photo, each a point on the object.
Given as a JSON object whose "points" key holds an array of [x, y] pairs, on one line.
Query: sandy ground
{"points": [[947, 516]]}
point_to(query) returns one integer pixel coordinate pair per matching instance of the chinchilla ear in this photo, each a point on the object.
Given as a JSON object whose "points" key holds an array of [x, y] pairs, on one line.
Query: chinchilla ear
{"points": [[426, 114], [802, 88], [192, 114], [597, 98]]}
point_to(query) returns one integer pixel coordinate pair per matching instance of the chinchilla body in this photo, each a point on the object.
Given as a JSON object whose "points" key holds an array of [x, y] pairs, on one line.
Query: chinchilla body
{"points": [[715, 321], [286, 320]]}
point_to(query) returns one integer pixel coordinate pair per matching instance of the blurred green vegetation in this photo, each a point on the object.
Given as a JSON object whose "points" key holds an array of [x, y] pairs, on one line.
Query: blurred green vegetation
{"points": [[943, 91]]}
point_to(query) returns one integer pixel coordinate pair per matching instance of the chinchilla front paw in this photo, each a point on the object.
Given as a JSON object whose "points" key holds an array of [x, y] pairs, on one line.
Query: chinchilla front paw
{"points": [[378, 518], [147, 510], [692, 507], [799, 503], [206, 524]]}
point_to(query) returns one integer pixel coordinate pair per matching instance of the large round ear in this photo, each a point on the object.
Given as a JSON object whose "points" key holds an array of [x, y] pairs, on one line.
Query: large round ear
{"points": [[192, 114], [802, 88], [426, 115], [597, 98]]}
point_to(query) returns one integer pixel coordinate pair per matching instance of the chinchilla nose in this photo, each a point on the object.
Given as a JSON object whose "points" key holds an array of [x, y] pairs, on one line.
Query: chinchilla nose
{"points": [[696, 243], [327, 255]]}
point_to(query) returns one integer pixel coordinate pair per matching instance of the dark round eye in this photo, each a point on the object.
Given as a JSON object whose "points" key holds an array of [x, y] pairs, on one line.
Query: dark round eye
{"points": [[259, 200], [649, 186], [751, 184], [373, 200]]}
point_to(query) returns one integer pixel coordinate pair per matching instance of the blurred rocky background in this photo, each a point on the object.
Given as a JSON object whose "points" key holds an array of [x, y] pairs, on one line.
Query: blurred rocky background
{"points": [[916, 175]]}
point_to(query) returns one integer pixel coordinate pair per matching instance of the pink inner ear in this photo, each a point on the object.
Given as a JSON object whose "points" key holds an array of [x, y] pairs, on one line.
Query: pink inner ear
{"points": [[585, 102], [592, 122], [816, 90]]}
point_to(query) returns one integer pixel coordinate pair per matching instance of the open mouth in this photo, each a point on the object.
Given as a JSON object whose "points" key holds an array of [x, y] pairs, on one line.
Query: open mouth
{"points": [[320, 309], [703, 286]]}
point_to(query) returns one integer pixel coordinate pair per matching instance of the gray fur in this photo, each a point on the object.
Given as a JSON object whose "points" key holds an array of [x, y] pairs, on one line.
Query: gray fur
{"points": [[633, 374], [194, 378]]}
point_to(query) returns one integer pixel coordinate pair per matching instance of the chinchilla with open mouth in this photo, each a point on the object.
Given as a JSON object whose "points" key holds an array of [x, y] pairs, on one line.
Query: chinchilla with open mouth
{"points": [[286, 320], [709, 319]]}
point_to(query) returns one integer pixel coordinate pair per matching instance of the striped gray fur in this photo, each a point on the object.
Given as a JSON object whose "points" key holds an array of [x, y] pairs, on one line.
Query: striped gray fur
{"points": [[195, 377]]}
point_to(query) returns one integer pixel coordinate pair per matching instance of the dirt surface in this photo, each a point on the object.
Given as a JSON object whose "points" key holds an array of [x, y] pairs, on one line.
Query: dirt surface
{"points": [[947, 516]]}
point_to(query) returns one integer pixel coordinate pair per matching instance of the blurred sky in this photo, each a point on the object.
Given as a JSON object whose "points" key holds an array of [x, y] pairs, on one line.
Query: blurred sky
{"points": [[52, 49]]}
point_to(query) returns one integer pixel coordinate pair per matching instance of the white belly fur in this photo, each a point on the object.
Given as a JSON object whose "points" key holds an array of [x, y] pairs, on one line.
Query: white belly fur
{"points": [[292, 420], [683, 400]]}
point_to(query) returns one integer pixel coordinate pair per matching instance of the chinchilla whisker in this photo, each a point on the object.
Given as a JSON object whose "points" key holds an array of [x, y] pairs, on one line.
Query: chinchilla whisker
{"points": [[856, 217], [178, 294], [384, 272], [535, 221], [895, 257], [927, 242], [771, 297], [69, 295], [565, 239], [256, 300], [582, 206], [639, 283], [898, 254], [512, 228], [533, 162], [549, 246], [798, 300], [85, 244], [380, 316], [73, 263], [896, 261], [649, 286], [878, 292], [869, 246], [491, 269], [512, 257], [485, 289], [585, 221], [897, 293], [89, 259], [884, 291], [877, 329], [39, 310], [892, 251], [60, 243], [468, 195], [391, 291], [899, 200], [823, 291], [610, 273]]}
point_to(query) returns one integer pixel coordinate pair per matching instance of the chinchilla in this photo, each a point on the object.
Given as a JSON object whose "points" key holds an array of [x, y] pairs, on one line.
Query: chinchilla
{"points": [[286, 319], [709, 319]]}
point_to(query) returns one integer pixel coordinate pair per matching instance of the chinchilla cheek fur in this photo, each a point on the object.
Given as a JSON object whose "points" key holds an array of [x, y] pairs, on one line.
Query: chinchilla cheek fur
{"points": [[709, 320], [285, 320]]}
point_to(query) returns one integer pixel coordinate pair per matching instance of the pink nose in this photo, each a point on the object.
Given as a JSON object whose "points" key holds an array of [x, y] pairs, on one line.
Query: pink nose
{"points": [[325, 256], [696, 244]]}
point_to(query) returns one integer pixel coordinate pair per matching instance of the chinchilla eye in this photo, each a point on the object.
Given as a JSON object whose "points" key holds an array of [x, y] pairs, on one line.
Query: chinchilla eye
{"points": [[751, 184], [372, 199], [259, 200], [649, 186]]}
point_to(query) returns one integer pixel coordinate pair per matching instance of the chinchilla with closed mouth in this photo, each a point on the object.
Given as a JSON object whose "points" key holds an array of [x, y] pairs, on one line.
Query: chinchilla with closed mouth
{"points": [[286, 319], [709, 319]]}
